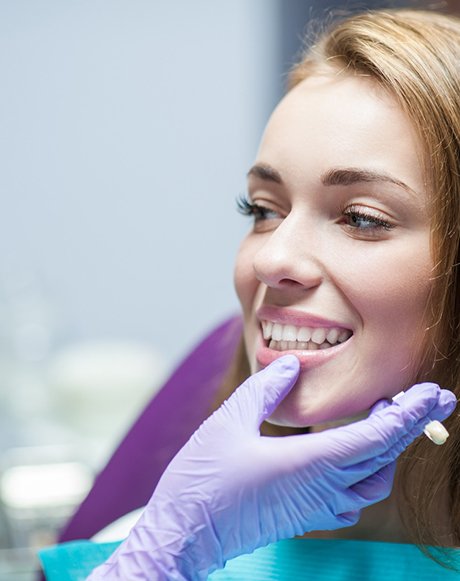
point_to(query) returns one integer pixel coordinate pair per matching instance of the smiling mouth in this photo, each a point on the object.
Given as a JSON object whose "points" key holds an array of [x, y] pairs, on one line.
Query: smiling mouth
{"points": [[289, 337]]}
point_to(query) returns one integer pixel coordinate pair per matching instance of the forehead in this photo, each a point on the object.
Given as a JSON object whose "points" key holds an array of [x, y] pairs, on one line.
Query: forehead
{"points": [[342, 120]]}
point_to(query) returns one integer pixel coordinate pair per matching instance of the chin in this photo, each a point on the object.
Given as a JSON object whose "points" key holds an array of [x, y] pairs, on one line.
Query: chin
{"points": [[294, 413]]}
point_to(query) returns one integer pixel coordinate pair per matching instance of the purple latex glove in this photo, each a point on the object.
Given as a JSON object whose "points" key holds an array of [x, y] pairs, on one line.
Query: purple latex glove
{"points": [[230, 490]]}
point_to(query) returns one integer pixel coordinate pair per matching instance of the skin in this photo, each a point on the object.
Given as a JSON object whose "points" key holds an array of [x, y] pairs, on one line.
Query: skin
{"points": [[311, 249]]}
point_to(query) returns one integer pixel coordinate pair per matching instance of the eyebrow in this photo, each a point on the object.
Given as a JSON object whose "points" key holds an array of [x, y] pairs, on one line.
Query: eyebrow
{"points": [[333, 177], [265, 172], [351, 175]]}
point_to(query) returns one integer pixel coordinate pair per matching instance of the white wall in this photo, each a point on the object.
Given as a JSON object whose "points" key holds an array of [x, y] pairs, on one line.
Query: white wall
{"points": [[126, 129]]}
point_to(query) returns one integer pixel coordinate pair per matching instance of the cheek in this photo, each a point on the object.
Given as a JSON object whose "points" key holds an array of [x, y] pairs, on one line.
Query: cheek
{"points": [[391, 302], [394, 290], [244, 278], [250, 293]]}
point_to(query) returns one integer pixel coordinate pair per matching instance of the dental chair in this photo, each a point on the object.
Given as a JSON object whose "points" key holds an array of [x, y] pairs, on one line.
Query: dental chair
{"points": [[174, 413]]}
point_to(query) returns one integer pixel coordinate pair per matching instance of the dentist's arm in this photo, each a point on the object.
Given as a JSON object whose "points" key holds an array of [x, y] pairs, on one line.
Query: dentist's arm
{"points": [[230, 490]]}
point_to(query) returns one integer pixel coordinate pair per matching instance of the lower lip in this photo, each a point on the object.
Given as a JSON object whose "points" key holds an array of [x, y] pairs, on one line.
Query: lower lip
{"points": [[308, 359]]}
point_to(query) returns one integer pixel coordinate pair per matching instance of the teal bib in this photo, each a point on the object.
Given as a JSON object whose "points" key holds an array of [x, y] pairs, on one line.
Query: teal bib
{"points": [[289, 560]]}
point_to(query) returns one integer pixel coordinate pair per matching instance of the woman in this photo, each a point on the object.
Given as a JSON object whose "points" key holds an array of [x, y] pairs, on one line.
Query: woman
{"points": [[348, 286]]}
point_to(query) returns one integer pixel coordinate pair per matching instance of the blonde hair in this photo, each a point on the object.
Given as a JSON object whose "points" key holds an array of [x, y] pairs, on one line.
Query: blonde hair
{"points": [[415, 55]]}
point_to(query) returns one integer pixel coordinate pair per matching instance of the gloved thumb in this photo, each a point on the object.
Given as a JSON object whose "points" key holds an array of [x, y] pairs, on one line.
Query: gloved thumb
{"points": [[256, 399]]}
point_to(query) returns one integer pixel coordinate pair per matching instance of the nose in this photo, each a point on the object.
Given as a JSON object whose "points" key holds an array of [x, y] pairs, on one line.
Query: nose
{"points": [[290, 256]]}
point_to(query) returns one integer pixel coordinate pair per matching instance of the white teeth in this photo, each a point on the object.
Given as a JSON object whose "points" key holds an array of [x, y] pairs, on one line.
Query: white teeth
{"points": [[343, 335], [277, 332], [289, 333], [304, 334], [318, 336], [284, 337], [332, 335], [267, 327], [296, 345]]}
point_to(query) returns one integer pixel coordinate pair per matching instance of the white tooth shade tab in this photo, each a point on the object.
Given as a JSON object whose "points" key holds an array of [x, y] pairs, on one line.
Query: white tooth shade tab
{"points": [[291, 337], [436, 432]]}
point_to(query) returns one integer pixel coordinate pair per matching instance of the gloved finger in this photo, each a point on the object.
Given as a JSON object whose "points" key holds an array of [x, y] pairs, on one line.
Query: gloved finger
{"points": [[256, 399], [442, 404], [437, 414], [359, 471], [381, 404], [376, 487], [378, 433], [370, 490], [446, 405], [353, 475], [347, 519], [446, 399]]}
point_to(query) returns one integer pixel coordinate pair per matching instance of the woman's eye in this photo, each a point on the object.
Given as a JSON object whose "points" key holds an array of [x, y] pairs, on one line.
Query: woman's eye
{"points": [[258, 212], [365, 222]]}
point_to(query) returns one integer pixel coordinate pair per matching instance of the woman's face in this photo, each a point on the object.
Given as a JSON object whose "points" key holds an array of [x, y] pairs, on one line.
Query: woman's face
{"points": [[336, 268]]}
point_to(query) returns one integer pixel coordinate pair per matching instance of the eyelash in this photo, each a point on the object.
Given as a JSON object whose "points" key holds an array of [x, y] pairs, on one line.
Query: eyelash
{"points": [[245, 207], [377, 220], [259, 213]]}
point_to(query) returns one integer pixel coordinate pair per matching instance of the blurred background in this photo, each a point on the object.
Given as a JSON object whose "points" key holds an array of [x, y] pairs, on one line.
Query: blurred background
{"points": [[126, 130]]}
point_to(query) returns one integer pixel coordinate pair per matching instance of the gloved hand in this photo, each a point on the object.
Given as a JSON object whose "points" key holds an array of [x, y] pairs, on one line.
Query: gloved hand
{"points": [[230, 490]]}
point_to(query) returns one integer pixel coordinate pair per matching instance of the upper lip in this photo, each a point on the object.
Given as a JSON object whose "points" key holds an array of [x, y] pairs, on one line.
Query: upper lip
{"points": [[286, 316]]}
